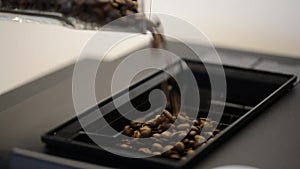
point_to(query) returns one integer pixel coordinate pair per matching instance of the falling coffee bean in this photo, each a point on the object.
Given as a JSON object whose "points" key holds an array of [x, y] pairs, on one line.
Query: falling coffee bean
{"points": [[167, 114]]}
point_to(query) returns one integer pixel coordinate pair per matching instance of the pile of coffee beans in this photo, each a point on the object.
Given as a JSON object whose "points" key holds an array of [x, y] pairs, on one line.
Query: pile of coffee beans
{"points": [[94, 11], [156, 129]]}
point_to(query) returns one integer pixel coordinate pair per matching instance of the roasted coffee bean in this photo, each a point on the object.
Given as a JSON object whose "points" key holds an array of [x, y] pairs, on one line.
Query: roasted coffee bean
{"points": [[183, 126], [157, 146], [145, 131], [194, 128], [214, 124], [168, 147], [145, 150], [165, 126], [179, 147], [125, 146], [152, 123], [190, 144], [175, 156], [127, 127], [159, 119], [167, 153], [103, 1], [185, 141], [128, 131], [136, 134], [208, 134], [217, 131], [199, 139], [196, 122], [181, 134], [156, 135], [181, 118], [168, 114], [156, 153], [190, 151], [192, 133], [122, 2], [166, 134], [133, 124], [145, 127]]}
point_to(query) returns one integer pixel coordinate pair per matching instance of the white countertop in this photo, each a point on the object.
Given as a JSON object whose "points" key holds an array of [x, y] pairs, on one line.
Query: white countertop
{"points": [[29, 51]]}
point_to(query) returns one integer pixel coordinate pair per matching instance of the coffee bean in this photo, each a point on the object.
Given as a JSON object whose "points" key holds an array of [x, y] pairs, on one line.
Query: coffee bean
{"points": [[192, 133], [156, 153], [214, 124], [122, 2], [157, 146], [181, 134], [196, 122], [183, 126], [190, 151], [217, 131], [166, 134], [199, 139], [185, 141], [181, 118], [179, 146], [194, 128], [152, 123], [156, 135], [167, 153], [209, 134], [167, 114], [145, 132], [114, 4], [125, 146], [165, 126], [136, 134], [168, 147], [103, 1], [175, 156], [128, 131], [135, 124], [190, 144], [145, 150]]}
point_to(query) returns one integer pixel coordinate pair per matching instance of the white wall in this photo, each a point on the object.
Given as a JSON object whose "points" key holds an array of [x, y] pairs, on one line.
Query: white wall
{"points": [[264, 25]]}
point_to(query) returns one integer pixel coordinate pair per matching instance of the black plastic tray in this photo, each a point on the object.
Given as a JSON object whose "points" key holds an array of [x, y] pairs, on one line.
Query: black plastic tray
{"points": [[248, 93]]}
